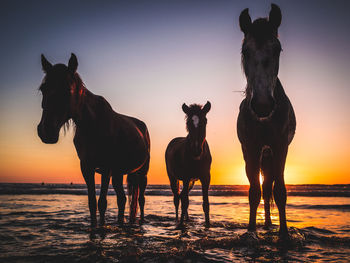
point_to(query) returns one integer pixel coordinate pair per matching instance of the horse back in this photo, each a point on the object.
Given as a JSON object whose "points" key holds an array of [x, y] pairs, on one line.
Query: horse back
{"points": [[142, 128], [111, 140]]}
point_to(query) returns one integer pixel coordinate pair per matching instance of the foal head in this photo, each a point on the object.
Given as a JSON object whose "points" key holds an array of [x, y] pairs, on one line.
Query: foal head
{"points": [[196, 123], [59, 88], [260, 58]]}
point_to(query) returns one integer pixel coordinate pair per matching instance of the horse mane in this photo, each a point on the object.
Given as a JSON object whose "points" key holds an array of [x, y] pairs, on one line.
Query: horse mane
{"points": [[80, 91], [79, 81]]}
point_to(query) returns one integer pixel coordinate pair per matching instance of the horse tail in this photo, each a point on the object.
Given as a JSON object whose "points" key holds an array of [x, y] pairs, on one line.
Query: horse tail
{"points": [[267, 173], [133, 192]]}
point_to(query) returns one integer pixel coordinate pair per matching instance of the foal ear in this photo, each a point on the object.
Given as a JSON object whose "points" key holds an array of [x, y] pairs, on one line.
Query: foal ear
{"points": [[206, 107], [185, 108], [73, 63], [245, 21], [46, 65], [275, 17]]}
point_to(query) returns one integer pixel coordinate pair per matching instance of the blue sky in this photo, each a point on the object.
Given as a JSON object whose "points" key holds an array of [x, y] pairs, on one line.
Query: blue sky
{"points": [[148, 57]]}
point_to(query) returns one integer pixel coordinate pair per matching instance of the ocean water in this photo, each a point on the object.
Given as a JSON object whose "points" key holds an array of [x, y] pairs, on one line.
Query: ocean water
{"points": [[50, 223]]}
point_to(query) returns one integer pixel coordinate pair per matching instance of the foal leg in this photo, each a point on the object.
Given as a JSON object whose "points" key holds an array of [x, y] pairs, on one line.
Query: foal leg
{"points": [[117, 182], [266, 167], [102, 201], [279, 190], [252, 169], [205, 187], [175, 187], [189, 190], [184, 201], [89, 176]]}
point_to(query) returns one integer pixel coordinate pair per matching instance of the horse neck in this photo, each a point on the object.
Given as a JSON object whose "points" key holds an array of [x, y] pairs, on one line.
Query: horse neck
{"points": [[84, 109], [187, 148], [278, 89]]}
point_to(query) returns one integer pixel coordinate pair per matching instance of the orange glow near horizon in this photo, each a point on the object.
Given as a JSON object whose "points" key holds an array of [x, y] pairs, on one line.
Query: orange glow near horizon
{"points": [[59, 164]]}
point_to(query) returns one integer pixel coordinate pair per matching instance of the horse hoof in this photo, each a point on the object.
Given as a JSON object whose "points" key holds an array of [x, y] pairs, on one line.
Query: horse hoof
{"points": [[267, 226], [142, 220], [251, 228], [207, 224], [180, 225], [120, 221], [93, 224], [283, 234]]}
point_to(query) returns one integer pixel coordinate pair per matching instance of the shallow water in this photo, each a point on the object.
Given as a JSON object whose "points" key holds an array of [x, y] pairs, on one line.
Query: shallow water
{"points": [[55, 228]]}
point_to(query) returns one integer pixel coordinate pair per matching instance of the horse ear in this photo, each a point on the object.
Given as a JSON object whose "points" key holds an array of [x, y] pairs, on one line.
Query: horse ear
{"points": [[206, 107], [185, 108], [46, 65], [73, 63], [245, 21], [275, 17]]}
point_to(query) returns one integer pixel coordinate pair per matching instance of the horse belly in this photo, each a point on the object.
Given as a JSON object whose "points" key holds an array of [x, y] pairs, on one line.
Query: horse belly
{"points": [[194, 171]]}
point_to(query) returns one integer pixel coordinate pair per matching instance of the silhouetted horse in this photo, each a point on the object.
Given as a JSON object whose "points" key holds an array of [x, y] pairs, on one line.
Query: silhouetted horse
{"points": [[188, 159], [266, 121], [106, 142]]}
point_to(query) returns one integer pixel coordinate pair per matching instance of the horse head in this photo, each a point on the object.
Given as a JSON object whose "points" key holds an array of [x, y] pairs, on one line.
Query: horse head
{"points": [[196, 123], [59, 88], [260, 60]]}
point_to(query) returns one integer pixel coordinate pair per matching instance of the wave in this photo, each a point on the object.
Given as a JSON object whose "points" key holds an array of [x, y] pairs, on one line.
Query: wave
{"points": [[164, 190], [322, 207]]}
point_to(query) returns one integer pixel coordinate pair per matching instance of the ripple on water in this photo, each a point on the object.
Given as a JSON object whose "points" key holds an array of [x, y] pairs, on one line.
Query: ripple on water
{"points": [[63, 234]]}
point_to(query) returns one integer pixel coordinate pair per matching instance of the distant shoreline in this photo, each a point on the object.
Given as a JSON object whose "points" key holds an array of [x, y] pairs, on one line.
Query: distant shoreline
{"points": [[307, 190]]}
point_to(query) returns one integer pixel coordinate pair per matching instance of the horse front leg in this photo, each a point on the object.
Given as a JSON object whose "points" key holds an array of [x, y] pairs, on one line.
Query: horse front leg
{"points": [[117, 182], [102, 201], [279, 189], [252, 169], [184, 201], [205, 188], [267, 172], [175, 186], [191, 184], [88, 172]]}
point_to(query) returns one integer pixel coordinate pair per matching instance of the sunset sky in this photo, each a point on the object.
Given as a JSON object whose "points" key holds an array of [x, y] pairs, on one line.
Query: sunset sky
{"points": [[148, 57]]}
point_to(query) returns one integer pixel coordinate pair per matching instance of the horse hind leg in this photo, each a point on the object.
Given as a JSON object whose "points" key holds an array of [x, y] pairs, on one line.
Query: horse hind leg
{"points": [[142, 187], [102, 201], [175, 187], [133, 192], [117, 182], [266, 168]]}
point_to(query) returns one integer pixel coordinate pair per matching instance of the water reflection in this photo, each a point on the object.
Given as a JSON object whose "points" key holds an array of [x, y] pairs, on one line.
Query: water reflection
{"points": [[57, 228]]}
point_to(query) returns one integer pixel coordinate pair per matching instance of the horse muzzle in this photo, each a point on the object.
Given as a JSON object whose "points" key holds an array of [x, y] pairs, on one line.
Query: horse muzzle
{"points": [[263, 107], [48, 136]]}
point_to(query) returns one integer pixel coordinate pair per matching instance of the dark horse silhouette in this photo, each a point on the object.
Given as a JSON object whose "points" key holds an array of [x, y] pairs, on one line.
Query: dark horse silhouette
{"points": [[266, 121], [188, 159], [107, 142]]}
